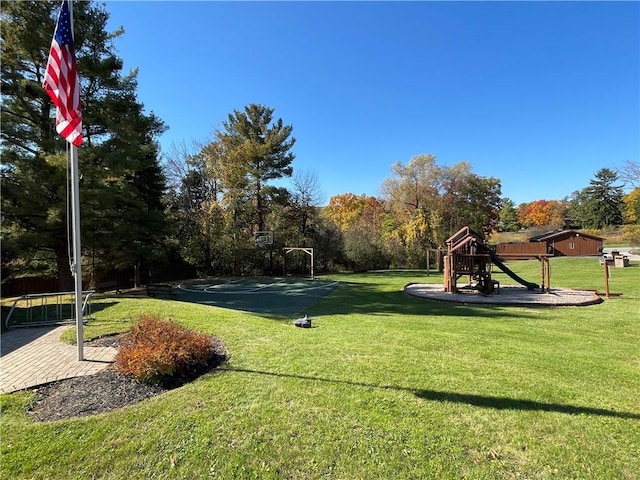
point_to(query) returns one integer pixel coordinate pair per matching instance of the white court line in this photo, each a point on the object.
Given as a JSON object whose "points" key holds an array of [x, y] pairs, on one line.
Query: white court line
{"points": [[253, 290], [249, 289], [224, 284], [223, 287], [202, 287]]}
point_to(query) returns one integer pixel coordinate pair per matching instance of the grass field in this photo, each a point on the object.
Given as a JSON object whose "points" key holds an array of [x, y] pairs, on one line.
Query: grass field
{"points": [[385, 387]]}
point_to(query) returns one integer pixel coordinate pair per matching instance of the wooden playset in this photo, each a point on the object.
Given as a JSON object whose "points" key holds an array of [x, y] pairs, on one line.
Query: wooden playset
{"points": [[469, 255]]}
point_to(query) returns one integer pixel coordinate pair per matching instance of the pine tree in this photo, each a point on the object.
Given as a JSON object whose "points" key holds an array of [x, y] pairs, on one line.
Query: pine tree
{"points": [[508, 216], [122, 182], [601, 203], [260, 148]]}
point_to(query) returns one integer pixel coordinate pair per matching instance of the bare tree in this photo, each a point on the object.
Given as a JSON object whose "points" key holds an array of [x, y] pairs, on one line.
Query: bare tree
{"points": [[307, 188], [176, 161], [629, 173], [307, 195]]}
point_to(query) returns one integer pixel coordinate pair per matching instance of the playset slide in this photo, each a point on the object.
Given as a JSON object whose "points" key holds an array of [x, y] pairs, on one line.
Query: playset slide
{"points": [[510, 273]]}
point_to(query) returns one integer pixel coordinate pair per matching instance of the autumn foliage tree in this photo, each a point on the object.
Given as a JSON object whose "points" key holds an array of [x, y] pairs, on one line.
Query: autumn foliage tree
{"points": [[359, 219], [542, 213], [428, 202], [632, 207], [348, 209], [632, 216]]}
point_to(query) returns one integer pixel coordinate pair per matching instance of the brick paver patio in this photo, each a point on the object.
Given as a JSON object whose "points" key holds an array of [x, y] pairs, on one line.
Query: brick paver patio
{"points": [[35, 356]]}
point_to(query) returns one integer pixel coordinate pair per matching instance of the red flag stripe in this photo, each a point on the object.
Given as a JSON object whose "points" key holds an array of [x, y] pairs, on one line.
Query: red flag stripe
{"points": [[61, 80]]}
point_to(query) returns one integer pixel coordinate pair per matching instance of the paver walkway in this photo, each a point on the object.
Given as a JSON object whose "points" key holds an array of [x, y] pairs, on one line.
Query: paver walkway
{"points": [[35, 356]]}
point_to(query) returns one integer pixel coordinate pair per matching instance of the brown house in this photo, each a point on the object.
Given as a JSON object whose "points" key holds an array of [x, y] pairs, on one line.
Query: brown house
{"points": [[569, 243]]}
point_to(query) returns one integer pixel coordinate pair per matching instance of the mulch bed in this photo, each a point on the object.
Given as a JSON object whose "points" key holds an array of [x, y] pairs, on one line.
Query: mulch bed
{"points": [[108, 389]]}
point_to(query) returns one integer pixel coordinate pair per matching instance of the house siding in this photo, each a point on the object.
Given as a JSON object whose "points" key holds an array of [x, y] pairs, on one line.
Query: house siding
{"points": [[574, 245], [568, 243], [525, 249]]}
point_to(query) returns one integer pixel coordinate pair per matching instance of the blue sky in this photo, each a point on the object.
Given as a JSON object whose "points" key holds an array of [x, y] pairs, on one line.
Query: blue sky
{"points": [[540, 95]]}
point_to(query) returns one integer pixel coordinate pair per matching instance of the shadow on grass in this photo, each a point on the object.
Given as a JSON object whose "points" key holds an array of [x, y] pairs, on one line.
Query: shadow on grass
{"points": [[271, 299], [506, 403], [482, 401], [368, 294], [46, 317], [370, 299]]}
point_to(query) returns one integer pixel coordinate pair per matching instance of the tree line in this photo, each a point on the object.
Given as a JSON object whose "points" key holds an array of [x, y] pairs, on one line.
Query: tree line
{"points": [[599, 205], [201, 206], [122, 183]]}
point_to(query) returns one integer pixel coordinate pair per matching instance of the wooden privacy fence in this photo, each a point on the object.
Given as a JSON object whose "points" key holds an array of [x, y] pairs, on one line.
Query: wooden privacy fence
{"points": [[526, 249], [20, 286]]}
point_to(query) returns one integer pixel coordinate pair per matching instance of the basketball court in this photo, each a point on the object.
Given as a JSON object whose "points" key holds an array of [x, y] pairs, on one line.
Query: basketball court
{"points": [[276, 296]]}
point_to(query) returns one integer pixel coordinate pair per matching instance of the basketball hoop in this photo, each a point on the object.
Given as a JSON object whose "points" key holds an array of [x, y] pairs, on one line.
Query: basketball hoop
{"points": [[263, 238]]}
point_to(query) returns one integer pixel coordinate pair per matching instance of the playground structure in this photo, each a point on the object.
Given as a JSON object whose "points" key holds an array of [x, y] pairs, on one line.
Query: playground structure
{"points": [[469, 255]]}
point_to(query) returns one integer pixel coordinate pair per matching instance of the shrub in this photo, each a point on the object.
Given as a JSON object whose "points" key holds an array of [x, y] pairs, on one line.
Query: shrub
{"points": [[632, 235], [155, 351]]}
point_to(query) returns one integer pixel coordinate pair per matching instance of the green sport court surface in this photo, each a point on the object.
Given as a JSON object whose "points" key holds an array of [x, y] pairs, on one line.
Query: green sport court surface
{"points": [[276, 296]]}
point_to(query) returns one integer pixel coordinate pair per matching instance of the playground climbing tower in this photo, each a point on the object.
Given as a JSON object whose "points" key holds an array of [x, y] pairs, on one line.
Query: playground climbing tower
{"points": [[468, 255]]}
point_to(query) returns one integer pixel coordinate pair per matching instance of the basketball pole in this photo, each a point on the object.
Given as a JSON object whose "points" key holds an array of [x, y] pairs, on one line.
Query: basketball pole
{"points": [[307, 250]]}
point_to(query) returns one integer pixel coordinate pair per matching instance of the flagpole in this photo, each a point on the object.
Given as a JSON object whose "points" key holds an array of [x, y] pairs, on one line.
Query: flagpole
{"points": [[63, 87], [75, 215], [76, 265]]}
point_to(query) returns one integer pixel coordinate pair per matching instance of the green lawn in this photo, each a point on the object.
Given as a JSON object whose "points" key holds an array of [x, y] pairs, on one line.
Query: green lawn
{"points": [[385, 387]]}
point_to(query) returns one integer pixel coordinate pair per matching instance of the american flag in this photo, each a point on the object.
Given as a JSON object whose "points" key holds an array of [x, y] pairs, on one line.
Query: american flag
{"points": [[61, 79]]}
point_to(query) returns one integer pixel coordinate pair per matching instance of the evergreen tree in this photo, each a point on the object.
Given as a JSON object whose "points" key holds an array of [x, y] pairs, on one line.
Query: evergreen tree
{"points": [[601, 203], [576, 210], [508, 216], [260, 149], [122, 182]]}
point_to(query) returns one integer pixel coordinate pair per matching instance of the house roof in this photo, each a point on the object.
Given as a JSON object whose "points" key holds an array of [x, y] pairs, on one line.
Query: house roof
{"points": [[562, 233]]}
